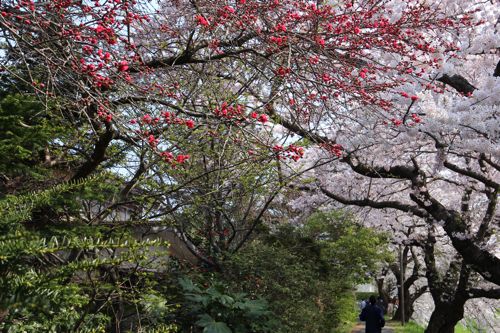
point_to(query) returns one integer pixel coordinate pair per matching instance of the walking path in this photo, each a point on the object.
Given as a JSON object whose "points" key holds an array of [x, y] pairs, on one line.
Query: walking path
{"points": [[360, 328]]}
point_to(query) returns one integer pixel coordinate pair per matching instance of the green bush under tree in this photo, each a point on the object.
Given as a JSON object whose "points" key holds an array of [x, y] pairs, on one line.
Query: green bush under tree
{"points": [[308, 273]]}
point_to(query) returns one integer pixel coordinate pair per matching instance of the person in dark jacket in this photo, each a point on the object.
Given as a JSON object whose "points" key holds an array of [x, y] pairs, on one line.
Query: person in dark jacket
{"points": [[374, 317], [381, 304]]}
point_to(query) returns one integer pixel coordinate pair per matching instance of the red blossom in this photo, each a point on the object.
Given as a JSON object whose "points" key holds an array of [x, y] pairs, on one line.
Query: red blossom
{"points": [[152, 141], [201, 20], [100, 29], [320, 41], [263, 118], [147, 119], [280, 27], [167, 156], [313, 60], [396, 122], [230, 111], [122, 66], [278, 40], [283, 71], [182, 158], [416, 118], [335, 149]]}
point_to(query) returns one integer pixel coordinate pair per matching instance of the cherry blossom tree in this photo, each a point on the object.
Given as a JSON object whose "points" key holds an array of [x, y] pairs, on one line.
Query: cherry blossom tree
{"points": [[439, 162]]}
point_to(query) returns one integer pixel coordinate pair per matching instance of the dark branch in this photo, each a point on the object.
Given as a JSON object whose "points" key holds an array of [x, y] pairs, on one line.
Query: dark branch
{"points": [[458, 82], [98, 155], [486, 293], [398, 171], [376, 204], [496, 73], [472, 174], [187, 56]]}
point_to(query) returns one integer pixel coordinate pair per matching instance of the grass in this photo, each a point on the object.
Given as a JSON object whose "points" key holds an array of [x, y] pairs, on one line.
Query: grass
{"points": [[461, 329], [346, 328], [410, 327], [413, 327]]}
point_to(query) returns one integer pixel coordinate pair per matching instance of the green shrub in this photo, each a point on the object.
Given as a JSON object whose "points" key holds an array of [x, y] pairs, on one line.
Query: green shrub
{"points": [[217, 310], [308, 274], [363, 295], [43, 289]]}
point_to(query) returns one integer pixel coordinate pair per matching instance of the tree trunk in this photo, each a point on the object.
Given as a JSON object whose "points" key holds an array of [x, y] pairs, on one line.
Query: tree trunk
{"points": [[445, 317], [408, 305], [408, 313], [382, 292]]}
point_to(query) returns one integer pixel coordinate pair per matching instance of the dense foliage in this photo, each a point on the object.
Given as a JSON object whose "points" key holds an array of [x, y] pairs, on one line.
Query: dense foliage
{"points": [[66, 275], [308, 273]]}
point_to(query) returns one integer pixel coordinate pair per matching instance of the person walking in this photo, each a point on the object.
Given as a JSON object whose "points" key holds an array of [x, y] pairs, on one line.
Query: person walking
{"points": [[381, 304], [362, 304], [390, 307], [374, 316], [396, 306]]}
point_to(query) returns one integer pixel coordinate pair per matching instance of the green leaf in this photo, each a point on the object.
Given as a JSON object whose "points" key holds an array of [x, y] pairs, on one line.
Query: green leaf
{"points": [[198, 299], [226, 300], [217, 327], [205, 320], [212, 326], [188, 285], [253, 308]]}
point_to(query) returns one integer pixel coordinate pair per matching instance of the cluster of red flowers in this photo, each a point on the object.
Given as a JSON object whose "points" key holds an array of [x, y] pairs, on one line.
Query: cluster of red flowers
{"points": [[104, 114], [231, 112], [412, 97], [165, 118], [169, 158], [149, 125], [201, 20], [396, 122], [263, 118], [416, 118], [94, 27], [334, 149], [292, 152], [283, 71], [236, 112]]}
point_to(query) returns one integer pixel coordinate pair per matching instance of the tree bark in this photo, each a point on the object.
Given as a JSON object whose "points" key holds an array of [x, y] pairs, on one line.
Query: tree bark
{"points": [[445, 317], [407, 283], [458, 82], [382, 291], [408, 306]]}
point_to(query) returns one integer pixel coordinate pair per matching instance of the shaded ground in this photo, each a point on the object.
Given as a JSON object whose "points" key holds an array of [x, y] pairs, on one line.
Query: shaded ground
{"points": [[360, 327]]}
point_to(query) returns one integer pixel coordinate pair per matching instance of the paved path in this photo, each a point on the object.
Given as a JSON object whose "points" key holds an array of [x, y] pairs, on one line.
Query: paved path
{"points": [[360, 328]]}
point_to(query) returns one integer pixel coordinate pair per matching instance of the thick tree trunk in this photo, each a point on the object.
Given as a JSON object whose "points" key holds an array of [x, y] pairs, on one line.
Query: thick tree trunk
{"points": [[445, 317], [408, 313], [408, 305], [382, 292]]}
